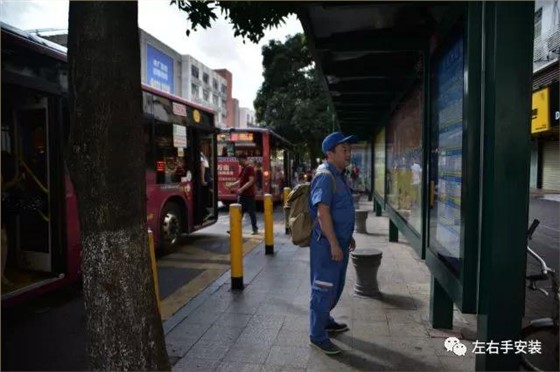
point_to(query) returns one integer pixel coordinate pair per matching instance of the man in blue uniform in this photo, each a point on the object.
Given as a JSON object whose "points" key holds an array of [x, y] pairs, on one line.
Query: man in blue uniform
{"points": [[332, 210]]}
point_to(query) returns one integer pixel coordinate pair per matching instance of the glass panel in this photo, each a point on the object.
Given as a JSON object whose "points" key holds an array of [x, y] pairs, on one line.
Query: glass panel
{"points": [[163, 111], [380, 163], [446, 154], [404, 156], [276, 167]]}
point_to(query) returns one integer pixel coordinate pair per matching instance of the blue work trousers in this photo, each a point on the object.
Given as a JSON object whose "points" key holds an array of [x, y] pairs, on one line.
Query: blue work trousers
{"points": [[327, 282]]}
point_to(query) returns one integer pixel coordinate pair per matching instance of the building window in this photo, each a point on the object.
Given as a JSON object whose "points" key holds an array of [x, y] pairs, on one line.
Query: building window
{"points": [[223, 89], [194, 71], [223, 104], [205, 77], [194, 89], [215, 84], [206, 95], [538, 23], [215, 99]]}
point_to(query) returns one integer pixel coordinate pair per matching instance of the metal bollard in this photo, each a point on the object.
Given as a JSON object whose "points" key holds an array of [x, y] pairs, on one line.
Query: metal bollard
{"points": [[236, 246], [154, 266], [268, 225], [287, 192]]}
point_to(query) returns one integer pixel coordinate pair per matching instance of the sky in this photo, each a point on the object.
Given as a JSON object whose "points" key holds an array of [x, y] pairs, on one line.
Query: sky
{"points": [[215, 47]]}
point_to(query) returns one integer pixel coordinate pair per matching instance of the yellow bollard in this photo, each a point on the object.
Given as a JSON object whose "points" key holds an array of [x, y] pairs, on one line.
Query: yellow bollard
{"points": [[154, 266], [268, 225], [236, 246], [287, 192]]}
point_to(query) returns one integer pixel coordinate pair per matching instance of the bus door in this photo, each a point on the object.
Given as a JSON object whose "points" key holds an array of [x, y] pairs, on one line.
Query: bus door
{"points": [[204, 177], [33, 223]]}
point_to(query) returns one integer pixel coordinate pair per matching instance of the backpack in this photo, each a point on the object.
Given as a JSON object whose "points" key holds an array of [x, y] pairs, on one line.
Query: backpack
{"points": [[300, 223]]}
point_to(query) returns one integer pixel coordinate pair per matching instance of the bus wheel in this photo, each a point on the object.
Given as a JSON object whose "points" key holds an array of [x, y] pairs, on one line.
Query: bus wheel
{"points": [[171, 225]]}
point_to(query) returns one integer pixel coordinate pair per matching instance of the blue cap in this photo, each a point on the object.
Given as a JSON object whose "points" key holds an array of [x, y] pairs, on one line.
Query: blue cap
{"points": [[336, 138]]}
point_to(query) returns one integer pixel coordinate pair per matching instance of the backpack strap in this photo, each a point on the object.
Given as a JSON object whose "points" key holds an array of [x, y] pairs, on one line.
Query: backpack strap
{"points": [[326, 171]]}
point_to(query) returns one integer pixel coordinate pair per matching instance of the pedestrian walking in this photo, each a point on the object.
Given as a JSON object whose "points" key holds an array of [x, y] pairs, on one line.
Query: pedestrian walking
{"points": [[332, 209], [246, 191]]}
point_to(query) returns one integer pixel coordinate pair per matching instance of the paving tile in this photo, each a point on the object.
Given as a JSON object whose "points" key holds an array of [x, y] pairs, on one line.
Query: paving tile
{"points": [[233, 320], [258, 336], [412, 345], [203, 317], [186, 330], [195, 364], [319, 361], [274, 368], [368, 331], [179, 347], [214, 350], [276, 309], [419, 363], [273, 321], [457, 363], [243, 308], [408, 329], [220, 332], [292, 338], [296, 323], [238, 367], [403, 316], [252, 354], [288, 356]]}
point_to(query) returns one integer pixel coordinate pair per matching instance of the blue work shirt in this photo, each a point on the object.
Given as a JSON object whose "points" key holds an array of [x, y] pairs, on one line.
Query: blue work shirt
{"points": [[340, 203]]}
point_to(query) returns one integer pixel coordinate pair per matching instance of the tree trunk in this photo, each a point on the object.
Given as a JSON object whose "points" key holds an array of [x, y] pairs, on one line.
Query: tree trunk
{"points": [[106, 164]]}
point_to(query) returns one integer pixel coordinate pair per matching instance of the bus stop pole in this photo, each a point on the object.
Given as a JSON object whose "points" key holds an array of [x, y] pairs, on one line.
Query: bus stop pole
{"points": [[268, 225], [236, 246]]}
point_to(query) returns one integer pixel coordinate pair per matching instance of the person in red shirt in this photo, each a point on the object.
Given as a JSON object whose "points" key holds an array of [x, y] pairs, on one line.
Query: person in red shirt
{"points": [[246, 191]]}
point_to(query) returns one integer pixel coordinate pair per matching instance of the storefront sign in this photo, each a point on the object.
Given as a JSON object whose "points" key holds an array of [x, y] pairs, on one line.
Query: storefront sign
{"points": [[540, 114], [159, 70], [179, 136]]}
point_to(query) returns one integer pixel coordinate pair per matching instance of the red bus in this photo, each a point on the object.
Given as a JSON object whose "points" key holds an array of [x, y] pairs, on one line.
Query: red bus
{"points": [[40, 232], [269, 153]]}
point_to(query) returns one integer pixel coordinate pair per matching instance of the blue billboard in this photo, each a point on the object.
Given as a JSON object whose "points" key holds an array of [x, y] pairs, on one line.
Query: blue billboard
{"points": [[160, 70]]}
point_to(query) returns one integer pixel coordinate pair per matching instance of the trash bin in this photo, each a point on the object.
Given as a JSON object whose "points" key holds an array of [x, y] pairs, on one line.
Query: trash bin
{"points": [[361, 217], [366, 262]]}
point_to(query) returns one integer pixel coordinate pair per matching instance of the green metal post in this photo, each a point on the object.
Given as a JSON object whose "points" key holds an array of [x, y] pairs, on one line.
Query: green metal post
{"points": [[393, 232], [506, 117], [378, 208], [441, 307]]}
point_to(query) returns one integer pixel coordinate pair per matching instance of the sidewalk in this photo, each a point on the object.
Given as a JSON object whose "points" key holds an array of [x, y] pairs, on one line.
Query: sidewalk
{"points": [[265, 327]]}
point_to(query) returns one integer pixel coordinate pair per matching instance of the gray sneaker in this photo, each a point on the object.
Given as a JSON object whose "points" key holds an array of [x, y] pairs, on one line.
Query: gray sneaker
{"points": [[326, 346], [255, 232]]}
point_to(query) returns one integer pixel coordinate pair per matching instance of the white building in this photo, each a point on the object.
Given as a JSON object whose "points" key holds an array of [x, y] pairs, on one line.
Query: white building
{"points": [[204, 86], [246, 117], [182, 75]]}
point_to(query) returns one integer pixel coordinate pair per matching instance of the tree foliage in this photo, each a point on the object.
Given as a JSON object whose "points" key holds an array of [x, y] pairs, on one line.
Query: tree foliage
{"points": [[249, 19], [291, 100]]}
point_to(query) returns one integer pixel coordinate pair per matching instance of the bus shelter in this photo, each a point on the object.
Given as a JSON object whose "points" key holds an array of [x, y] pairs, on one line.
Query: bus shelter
{"points": [[442, 91]]}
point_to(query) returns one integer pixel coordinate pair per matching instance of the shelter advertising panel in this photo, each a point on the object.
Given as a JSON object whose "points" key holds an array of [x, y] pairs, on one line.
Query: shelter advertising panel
{"points": [[404, 159], [446, 154], [380, 163]]}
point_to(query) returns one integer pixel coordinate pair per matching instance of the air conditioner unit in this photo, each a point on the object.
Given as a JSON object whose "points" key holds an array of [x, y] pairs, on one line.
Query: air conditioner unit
{"points": [[553, 42], [539, 52]]}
